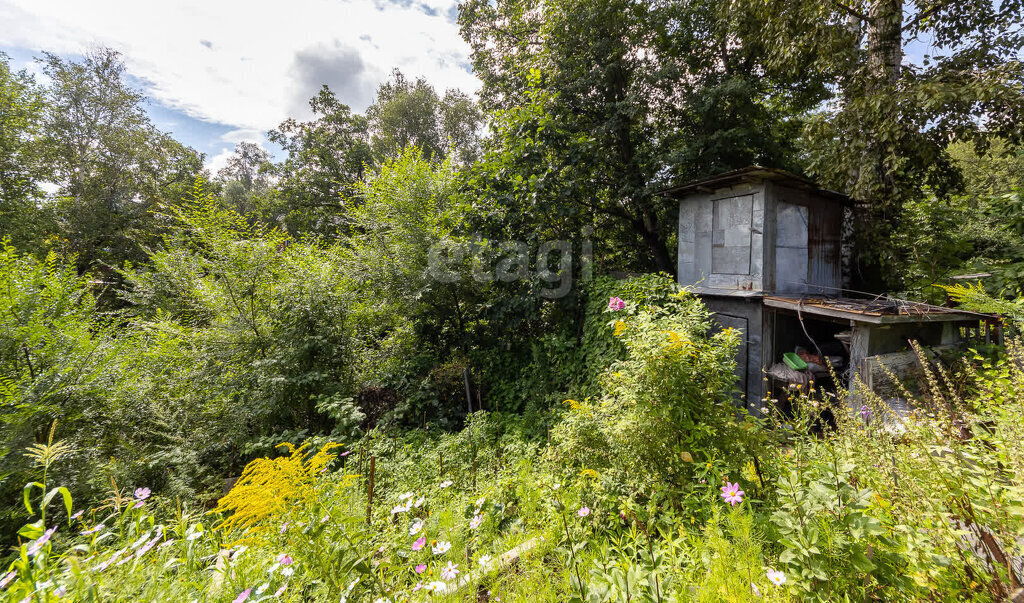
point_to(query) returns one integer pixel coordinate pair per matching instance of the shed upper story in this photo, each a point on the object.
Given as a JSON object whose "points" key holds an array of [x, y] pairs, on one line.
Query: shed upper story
{"points": [[759, 230]]}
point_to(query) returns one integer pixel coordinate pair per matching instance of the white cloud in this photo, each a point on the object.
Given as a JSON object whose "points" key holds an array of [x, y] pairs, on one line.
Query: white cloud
{"points": [[243, 135], [251, 63], [218, 162]]}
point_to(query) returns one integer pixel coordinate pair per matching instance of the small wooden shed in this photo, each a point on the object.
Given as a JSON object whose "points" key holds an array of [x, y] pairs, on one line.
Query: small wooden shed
{"points": [[764, 249]]}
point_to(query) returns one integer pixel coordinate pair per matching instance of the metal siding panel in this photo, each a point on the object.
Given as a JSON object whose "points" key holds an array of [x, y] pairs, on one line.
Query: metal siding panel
{"points": [[791, 247], [687, 267], [702, 243], [731, 241], [757, 237], [825, 269]]}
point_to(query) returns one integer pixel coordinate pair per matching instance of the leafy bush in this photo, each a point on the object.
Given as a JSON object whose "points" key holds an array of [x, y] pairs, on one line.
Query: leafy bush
{"points": [[667, 409]]}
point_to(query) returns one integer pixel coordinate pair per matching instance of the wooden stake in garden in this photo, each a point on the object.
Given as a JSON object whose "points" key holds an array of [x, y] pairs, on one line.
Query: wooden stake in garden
{"points": [[369, 494], [440, 463]]}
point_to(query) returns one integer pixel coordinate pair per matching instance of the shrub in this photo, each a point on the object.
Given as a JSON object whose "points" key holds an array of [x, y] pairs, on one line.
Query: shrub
{"points": [[666, 411]]}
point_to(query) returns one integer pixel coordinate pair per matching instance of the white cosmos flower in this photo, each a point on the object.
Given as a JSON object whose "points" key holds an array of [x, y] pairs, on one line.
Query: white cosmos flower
{"points": [[441, 547], [420, 501], [484, 561], [446, 483], [476, 521], [406, 496], [435, 586], [416, 527], [450, 571], [287, 571], [776, 577]]}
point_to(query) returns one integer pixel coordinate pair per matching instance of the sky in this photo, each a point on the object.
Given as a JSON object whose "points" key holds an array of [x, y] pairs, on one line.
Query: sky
{"points": [[218, 72]]}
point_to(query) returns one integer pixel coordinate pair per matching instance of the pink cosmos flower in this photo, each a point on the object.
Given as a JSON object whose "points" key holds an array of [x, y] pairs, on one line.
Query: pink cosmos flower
{"points": [[616, 304], [732, 493], [284, 526], [583, 512], [10, 576], [77, 514], [280, 591], [284, 559], [420, 543], [142, 493], [242, 596], [421, 568], [346, 453]]}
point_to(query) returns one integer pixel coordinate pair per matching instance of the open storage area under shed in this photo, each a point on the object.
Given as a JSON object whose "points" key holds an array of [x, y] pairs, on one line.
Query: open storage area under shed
{"points": [[867, 338]]}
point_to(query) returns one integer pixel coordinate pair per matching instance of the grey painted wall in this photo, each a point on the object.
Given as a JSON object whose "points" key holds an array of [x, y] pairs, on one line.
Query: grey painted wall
{"points": [[747, 315], [721, 239], [760, 237]]}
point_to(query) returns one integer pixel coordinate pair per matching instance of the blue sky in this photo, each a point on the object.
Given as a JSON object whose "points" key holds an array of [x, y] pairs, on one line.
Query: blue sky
{"points": [[217, 72]]}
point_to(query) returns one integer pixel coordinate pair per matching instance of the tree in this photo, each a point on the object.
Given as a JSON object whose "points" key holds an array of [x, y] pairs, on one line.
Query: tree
{"points": [[22, 219], [599, 105], [246, 177], [112, 165], [327, 156], [884, 134], [412, 113]]}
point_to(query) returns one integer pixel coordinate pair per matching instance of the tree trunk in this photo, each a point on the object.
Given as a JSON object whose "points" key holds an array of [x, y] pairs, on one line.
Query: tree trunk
{"points": [[885, 43], [648, 231], [873, 177]]}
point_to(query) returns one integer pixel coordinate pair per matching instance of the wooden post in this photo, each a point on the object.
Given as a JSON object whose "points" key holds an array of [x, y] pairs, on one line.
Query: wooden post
{"points": [[440, 463], [469, 394], [369, 495], [474, 470]]}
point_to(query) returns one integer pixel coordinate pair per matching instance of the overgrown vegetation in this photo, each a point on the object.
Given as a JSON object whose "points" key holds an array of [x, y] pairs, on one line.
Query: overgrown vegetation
{"points": [[405, 360]]}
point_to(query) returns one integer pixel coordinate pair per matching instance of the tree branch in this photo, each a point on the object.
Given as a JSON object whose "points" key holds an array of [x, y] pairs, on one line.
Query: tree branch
{"points": [[850, 11], [931, 10]]}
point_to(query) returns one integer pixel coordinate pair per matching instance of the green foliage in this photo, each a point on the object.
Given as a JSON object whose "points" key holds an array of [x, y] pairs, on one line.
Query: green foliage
{"points": [[265, 316], [112, 165], [598, 106], [413, 114], [884, 136], [666, 410], [327, 156], [22, 221]]}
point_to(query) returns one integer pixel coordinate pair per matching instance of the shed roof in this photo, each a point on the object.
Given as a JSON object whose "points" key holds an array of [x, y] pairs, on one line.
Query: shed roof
{"points": [[754, 173], [881, 310]]}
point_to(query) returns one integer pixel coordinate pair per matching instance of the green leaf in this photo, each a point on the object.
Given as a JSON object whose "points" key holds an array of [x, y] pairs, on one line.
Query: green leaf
{"points": [[26, 491], [861, 562], [65, 493], [32, 530]]}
